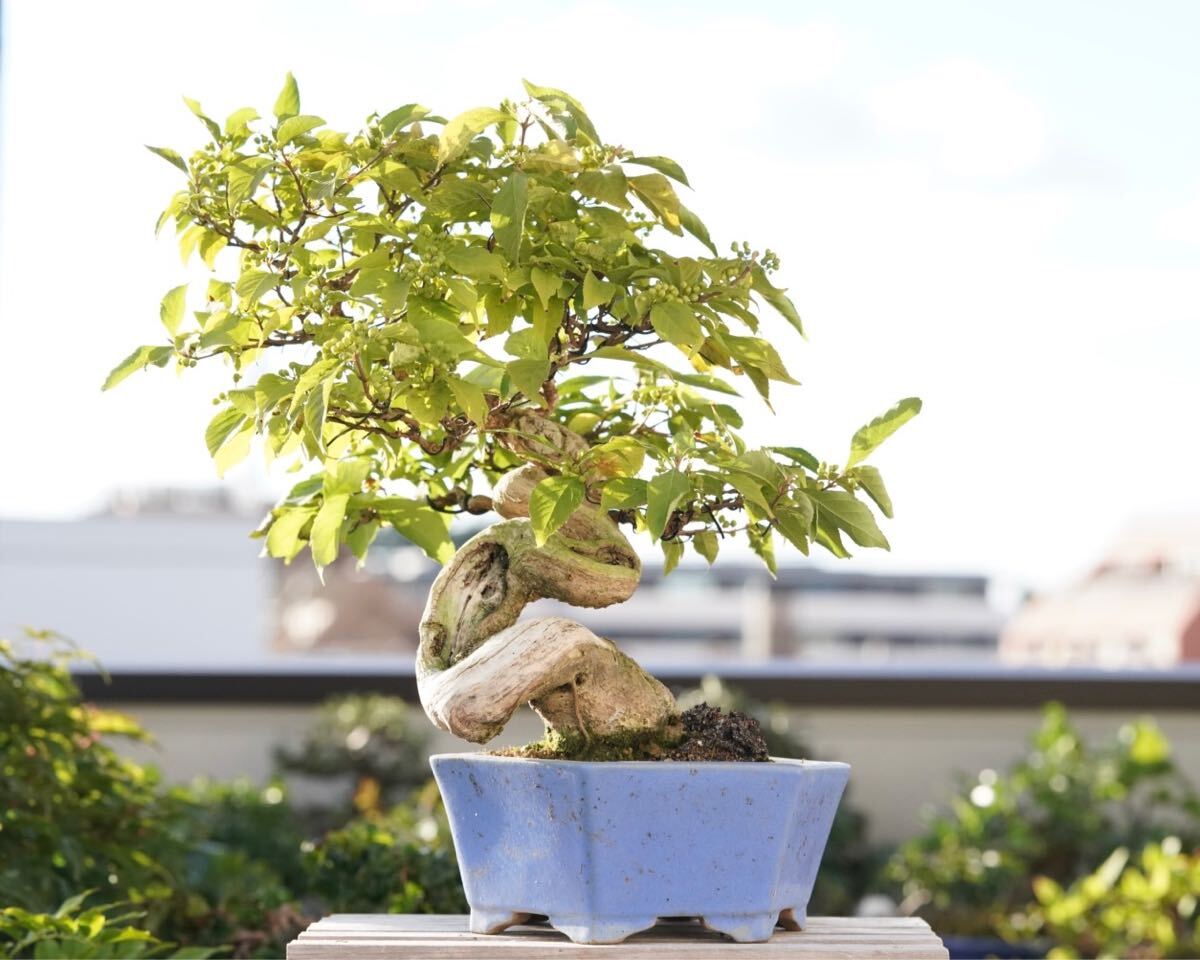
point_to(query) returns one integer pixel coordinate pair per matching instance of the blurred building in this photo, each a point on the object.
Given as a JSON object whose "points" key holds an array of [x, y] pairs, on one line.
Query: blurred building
{"points": [[172, 581], [1140, 607]]}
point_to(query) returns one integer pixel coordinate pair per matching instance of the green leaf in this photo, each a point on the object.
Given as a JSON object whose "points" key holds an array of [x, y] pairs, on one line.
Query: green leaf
{"points": [[508, 214], [827, 535], [287, 104], [401, 117], [459, 132], [676, 324], [359, 539], [869, 479], [237, 124], [528, 375], [283, 537], [309, 379], [705, 543], [211, 125], [235, 448], [141, 358], [663, 494], [527, 344], [703, 380], [611, 186], [327, 528], [170, 156], [656, 192], [624, 493], [563, 103], [793, 519], [848, 513], [418, 523], [551, 503], [255, 284], [751, 489], [776, 298], [545, 283], [476, 263], [763, 544], [695, 226], [799, 455], [438, 330], [293, 127], [223, 426], [170, 311], [874, 433], [672, 554], [662, 165], [470, 397], [346, 476], [758, 354], [245, 176], [597, 291]]}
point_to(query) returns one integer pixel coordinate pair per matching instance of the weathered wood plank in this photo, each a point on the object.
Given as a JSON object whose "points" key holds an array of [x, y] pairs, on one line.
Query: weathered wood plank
{"points": [[445, 937]]}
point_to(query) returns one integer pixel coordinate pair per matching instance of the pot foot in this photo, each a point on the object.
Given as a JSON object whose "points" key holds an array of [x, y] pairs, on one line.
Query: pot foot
{"points": [[495, 921], [790, 919], [600, 929], [743, 927]]}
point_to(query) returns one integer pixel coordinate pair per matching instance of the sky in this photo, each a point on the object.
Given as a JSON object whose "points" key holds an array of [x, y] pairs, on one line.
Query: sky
{"points": [[994, 206]]}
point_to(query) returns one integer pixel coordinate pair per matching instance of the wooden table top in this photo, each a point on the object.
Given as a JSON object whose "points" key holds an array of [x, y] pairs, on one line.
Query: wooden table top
{"points": [[445, 937]]}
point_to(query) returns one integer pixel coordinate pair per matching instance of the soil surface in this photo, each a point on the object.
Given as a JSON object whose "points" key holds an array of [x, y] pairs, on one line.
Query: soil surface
{"points": [[701, 733], [711, 734]]}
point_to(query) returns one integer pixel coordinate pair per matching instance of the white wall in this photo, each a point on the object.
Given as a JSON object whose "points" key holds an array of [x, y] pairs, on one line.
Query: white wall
{"points": [[903, 759], [167, 592]]}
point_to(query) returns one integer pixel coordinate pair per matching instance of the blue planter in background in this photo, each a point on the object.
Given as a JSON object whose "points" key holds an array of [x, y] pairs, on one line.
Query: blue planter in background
{"points": [[604, 849]]}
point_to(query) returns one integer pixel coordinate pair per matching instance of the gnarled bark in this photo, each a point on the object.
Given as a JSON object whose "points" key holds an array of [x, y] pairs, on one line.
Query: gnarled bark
{"points": [[476, 664]]}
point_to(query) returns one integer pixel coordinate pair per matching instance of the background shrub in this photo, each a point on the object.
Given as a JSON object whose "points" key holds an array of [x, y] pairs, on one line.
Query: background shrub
{"points": [[1144, 908], [1058, 812]]}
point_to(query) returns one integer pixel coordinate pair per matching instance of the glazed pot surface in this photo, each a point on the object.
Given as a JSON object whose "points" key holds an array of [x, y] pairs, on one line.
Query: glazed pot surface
{"points": [[604, 849]]}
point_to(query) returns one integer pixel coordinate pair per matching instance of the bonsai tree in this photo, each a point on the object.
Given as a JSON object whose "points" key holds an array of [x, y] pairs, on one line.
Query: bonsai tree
{"points": [[429, 317]]}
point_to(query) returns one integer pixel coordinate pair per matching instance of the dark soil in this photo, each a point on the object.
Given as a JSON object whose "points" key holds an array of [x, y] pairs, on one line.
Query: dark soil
{"points": [[711, 734], [701, 733]]}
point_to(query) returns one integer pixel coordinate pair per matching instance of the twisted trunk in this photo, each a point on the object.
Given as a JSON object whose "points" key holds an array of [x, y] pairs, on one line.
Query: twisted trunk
{"points": [[476, 664]]}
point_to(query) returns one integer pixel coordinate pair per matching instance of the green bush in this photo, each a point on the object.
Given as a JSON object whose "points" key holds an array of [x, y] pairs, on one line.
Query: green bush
{"points": [[1057, 813], [235, 884], [209, 865], [74, 814], [82, 934], [1143, 909], [401, 862]]}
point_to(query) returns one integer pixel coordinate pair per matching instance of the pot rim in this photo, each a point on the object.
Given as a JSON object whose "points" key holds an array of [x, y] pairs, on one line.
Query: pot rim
{"points": [[667, 765]]}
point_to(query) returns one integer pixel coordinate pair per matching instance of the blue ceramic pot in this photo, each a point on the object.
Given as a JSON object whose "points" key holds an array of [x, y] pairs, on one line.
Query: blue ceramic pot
{"points": [[604, 849]]}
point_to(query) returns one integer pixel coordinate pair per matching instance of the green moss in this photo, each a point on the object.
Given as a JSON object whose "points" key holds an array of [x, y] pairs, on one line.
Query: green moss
{"points": [[626, 745]]}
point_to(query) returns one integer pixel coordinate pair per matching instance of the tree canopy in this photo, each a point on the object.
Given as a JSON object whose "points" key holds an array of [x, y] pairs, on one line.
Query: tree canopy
{"points": [[388, 299]]}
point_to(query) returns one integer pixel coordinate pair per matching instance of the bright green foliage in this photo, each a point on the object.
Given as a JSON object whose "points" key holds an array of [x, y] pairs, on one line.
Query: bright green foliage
{"points": [[386, 298], [1058, 812], [400, 862], [228, 865], [1147, 908], [71, 807], [73, 932]]}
